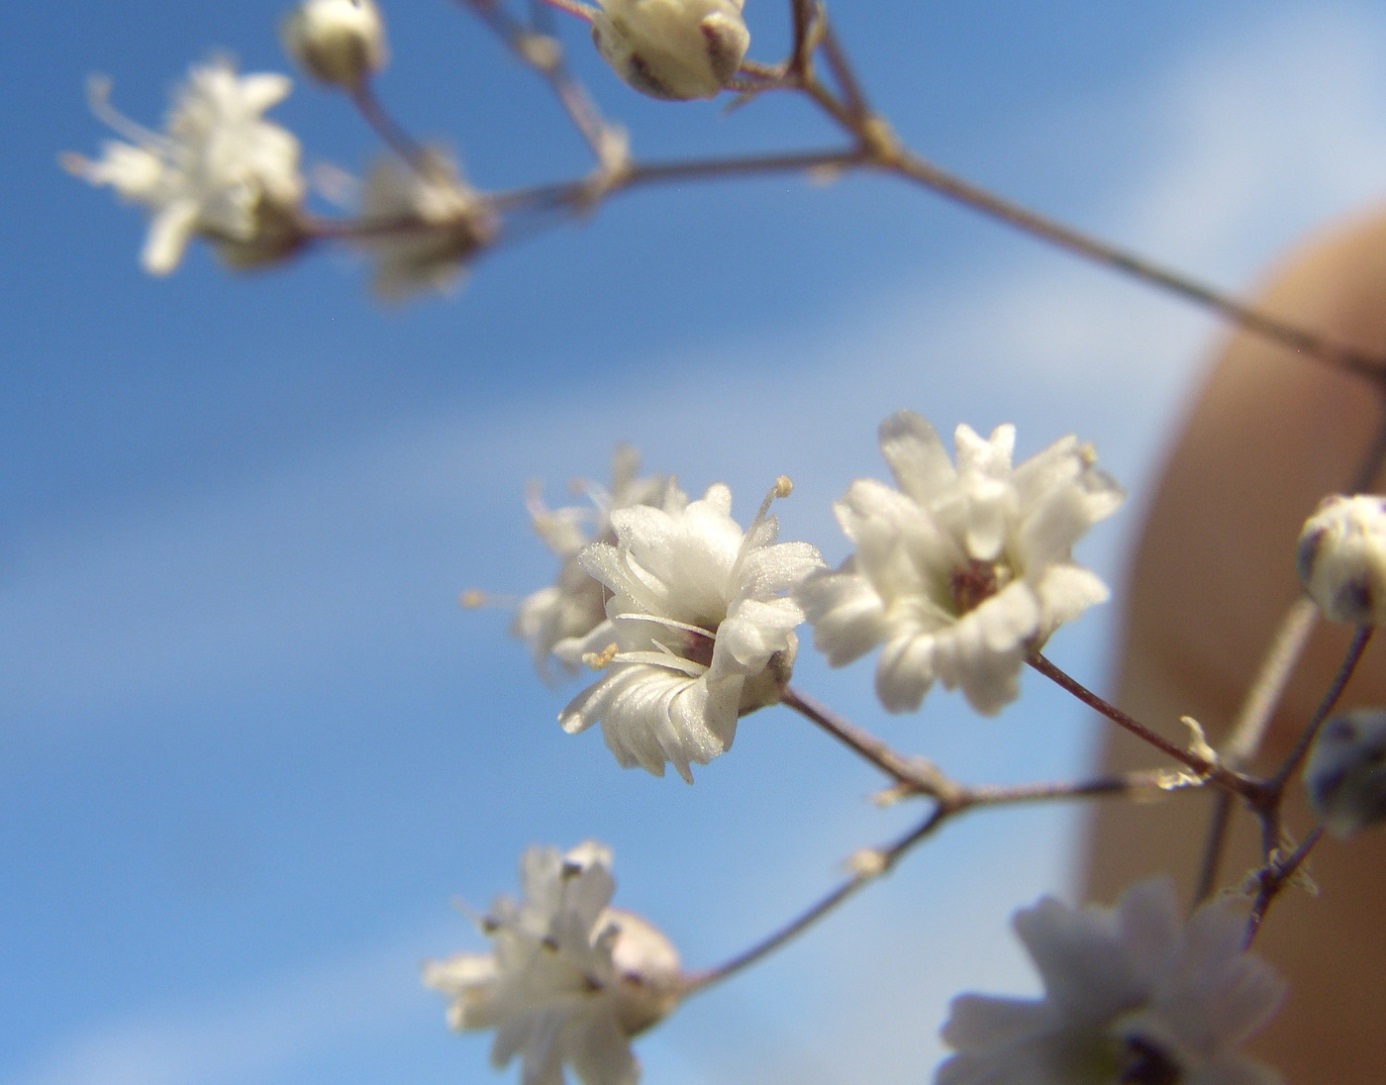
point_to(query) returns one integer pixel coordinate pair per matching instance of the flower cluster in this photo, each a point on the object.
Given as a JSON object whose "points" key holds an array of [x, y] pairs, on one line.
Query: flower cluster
{"points": [[698, 630], [220, 171], [961, 571], [570, 979], [1133, 996]]}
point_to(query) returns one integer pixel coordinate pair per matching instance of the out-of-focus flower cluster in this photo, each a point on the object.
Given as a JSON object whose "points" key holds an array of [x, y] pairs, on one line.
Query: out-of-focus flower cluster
{"points": [[569, 979], [1132, 996], [219, 171]]}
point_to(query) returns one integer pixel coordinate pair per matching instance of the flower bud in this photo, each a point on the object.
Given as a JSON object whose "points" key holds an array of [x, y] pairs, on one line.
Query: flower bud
{"points": [[676, 49], [338, 42], [1346, 771], [1342, 558]]}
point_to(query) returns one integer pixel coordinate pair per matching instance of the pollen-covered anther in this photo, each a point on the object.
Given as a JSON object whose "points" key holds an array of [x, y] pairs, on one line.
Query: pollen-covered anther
{"points": [[599, 661]]}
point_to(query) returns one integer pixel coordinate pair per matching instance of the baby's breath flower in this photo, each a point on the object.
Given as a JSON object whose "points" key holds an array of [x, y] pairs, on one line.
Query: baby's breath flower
{"points": [[570, 980], [961, 571], [338, 42], [675, 49], [1346, 771], [699, 629], [219, 171], [556, 620], [422, 223], [1342, 558], [1133, 995]]}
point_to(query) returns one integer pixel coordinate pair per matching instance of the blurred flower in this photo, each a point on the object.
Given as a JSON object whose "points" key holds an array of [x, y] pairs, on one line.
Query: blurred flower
{"points": [[961, 572], [674, 49], [338, 42], [220, 170], [1133, 996], [1342, 558], [422, 223], [699, 628], [570, 980], [1346, 771], [555, 620]]}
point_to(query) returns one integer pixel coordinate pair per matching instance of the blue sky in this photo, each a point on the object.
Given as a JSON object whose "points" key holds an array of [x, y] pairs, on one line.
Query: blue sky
{"points": [[250, 748]]}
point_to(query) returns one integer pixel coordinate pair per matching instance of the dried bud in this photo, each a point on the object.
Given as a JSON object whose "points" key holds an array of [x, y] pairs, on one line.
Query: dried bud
{"points": [[338, 42], [1346, 771], [1342, 558], [676, 49]]}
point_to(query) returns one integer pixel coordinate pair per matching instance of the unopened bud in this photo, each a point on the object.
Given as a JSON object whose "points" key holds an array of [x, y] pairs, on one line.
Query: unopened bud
{"points": [[1346, 771], [676, 49], [338, 42], [1342, 558]]}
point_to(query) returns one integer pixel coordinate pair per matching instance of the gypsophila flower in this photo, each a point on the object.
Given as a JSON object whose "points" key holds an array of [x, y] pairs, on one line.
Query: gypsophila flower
{"points": [[1346, 771], [1133, 995], [961, 571], [570, 980], [1342, 558], [422, 223], [556, 620], [337, 42], [676, 49], [220, 170], [699, 628]]}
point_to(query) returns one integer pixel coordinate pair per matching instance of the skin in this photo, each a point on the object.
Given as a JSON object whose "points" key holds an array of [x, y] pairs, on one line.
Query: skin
{"points": [[1268, 434]]}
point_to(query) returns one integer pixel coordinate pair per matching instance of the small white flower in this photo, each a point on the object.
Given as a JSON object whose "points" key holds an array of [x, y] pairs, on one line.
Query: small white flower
{"points": [[1133, 996], [570, 979], [556, 620], [963, 570], [220, 171], [1342, 558], [675, 49], [338, 42], [422, 223], [699, 629], [1346, 771]]}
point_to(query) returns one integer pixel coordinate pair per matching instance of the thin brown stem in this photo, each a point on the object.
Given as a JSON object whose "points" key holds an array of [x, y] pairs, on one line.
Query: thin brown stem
{"points": [[878, 862], [1273, 878], [1147, 781], [387, 128], [913, 774], [1213, 847], [1360, 640], [1340, 355], [852, 94], [1200, 766]]}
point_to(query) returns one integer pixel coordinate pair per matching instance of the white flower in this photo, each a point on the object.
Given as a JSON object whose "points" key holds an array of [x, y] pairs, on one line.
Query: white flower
{"points": [[422, 223], [556, 620], [674, 49], [1133, 996], [1346, 771], [961, 571], [1342, 558], [570, 980], [699, 629], [220, 170], [338, 42]]}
